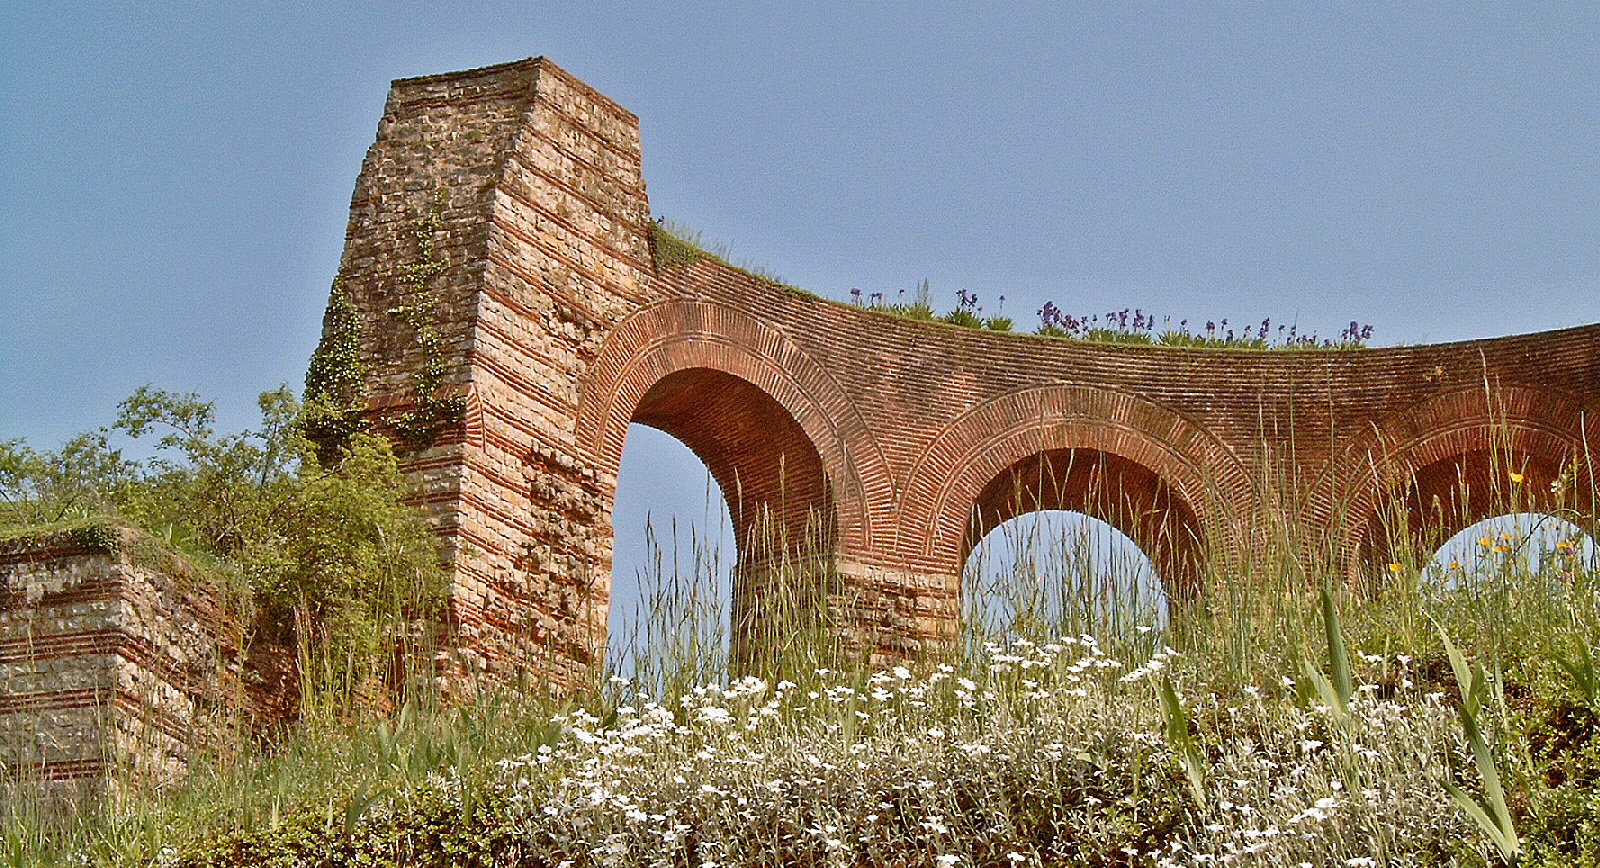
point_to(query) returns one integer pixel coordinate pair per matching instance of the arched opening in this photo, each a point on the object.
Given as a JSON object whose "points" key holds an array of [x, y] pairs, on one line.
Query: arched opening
{"points": [[776, 503], [1123, 494], [1519, 580], [1052, 573], [767, 468], [1448, 498], [1549, 546], [673, 555]]}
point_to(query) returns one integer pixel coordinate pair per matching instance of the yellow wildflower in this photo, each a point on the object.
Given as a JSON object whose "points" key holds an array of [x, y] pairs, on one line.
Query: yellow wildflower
{"points": [[1515, 476]]}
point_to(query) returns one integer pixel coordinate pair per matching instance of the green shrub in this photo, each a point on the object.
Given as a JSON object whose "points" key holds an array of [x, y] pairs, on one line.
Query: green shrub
{"points": [[328, 558]]}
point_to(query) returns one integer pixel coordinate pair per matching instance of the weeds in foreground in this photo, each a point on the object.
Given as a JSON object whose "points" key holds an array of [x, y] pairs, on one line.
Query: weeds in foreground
{"points": [[1277, 723], [1072, 750]]}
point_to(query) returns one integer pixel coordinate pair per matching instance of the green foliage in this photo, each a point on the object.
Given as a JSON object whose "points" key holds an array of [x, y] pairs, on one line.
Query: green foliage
{"points": [[1582, 674], [1336, 689], [351, 564], [429, 413], [673, 244], [1184, 746], [1176, 338], [336, 379], [205, 492], [963, 317], [915, 310], [326, 557], [1119, 337], [81, 479], [93, 533], [336, 371], [1492, 812]]}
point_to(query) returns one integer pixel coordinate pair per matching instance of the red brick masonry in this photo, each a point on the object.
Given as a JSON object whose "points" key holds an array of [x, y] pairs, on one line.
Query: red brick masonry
{"points": [[111, 665], [896, 443]]}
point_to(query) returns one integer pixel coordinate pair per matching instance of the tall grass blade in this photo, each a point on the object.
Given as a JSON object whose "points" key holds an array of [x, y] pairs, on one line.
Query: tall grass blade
{"points": [[1492, 813], [1338, 654], [1183, 742], [1581, 671], [1334, 691]]}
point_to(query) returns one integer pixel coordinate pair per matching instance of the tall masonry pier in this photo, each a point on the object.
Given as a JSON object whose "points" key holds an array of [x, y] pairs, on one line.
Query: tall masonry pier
{"points": [[504, 310]]}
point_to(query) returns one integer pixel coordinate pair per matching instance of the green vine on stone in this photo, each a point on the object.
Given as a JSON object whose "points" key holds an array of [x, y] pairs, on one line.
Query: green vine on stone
{"points": [[429, 414], [336, 382]]}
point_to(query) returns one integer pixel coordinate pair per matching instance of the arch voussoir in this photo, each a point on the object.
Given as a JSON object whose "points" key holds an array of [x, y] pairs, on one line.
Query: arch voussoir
{"points": [[1465, 455], [975, 449], [664, 339]]}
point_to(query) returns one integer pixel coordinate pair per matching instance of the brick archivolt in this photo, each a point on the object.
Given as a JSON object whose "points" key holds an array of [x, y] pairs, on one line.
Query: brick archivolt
{"points": [[972, 451], [1470, 439], [672, 337]]}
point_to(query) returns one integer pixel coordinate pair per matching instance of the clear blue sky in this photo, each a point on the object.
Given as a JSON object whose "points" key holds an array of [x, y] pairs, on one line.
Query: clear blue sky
{"points": [[175, 177]]}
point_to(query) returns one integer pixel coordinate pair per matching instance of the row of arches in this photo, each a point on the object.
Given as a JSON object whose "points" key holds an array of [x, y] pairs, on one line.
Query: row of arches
{"points": [[1040, 565], [1060, 514], [800, 470], [782, 498]]}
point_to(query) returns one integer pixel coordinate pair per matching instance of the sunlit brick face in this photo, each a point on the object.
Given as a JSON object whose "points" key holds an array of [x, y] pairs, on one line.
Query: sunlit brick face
{"points": [[556, 325]]}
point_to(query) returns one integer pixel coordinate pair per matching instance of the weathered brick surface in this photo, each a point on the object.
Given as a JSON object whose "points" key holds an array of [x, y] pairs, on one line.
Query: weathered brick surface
{"points": [[110, 666], [907, 439]]}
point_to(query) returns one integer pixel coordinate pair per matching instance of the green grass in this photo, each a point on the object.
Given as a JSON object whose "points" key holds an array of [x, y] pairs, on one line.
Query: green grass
{"points": [[1442, 719], [675, 244]]}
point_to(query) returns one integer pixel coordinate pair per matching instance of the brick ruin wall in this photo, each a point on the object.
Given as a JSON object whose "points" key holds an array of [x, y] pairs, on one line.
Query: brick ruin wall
{"points": [[113, 660], [501, 273], [560, 325]]}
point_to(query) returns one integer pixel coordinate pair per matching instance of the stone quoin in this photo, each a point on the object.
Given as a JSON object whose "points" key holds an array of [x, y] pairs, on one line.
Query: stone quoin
{"points": [[502, 268]]}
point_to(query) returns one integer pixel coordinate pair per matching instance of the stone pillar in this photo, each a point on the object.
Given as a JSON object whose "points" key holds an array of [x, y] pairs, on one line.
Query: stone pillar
{"points": [[498, 230]]}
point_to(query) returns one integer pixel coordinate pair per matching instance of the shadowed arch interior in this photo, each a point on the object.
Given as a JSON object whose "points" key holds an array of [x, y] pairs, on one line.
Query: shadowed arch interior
{"points": [[1127, 495], [769, 472]]}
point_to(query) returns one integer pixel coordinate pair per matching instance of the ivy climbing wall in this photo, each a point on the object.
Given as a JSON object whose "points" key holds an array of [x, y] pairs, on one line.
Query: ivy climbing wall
{"points": [[498, 229]]}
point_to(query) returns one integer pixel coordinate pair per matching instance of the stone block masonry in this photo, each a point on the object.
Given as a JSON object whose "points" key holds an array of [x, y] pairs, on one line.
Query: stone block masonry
{"points": [[111, 661], [508, 203]]}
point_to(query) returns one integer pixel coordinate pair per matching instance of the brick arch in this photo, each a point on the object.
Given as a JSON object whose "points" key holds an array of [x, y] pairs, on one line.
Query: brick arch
{"points": [[559, 321], [766, 467], [1445, 464], [659, 343], [981, 470]]}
